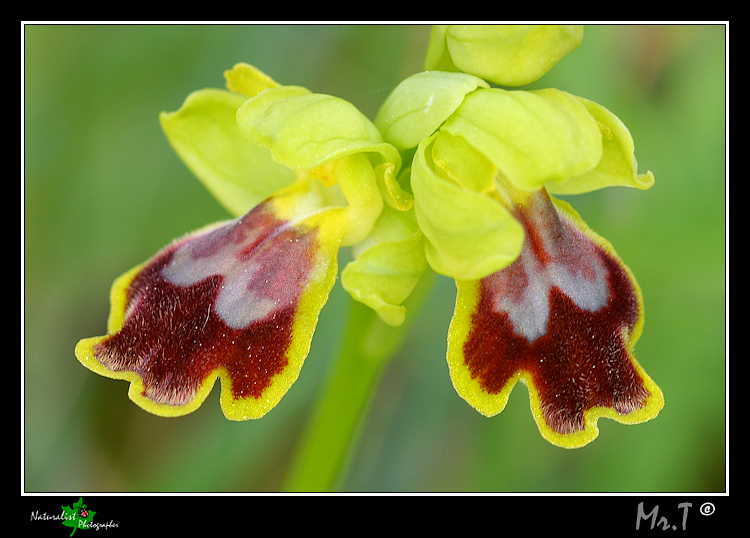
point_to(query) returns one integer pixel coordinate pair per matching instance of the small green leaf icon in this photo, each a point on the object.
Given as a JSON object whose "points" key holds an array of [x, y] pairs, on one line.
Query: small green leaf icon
{"points": [[78, 516]]}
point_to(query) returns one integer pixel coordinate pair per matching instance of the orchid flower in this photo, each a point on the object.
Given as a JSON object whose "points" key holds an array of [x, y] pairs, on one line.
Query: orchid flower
{"points": [[541, 297], [239, 300], [453, 174]]}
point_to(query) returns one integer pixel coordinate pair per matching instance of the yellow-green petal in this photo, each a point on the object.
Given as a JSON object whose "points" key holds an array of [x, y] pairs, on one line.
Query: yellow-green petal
{"points": [[390, 185], [387, 265], [533, 137], [420, 104], [205, 135], [618, 165], [509, 55], [469, 234], [356, 179]]}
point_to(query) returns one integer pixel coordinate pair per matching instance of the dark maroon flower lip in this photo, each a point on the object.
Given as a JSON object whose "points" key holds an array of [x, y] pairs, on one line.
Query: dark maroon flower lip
{"points": [[563, 318], [223, 302]]}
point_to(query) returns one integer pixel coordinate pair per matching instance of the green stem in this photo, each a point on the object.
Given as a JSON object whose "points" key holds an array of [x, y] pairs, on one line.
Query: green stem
{"points": [[368, 346]]}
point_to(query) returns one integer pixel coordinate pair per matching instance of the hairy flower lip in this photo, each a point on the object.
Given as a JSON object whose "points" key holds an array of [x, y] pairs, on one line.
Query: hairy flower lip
{"points": [[238, 301], [564, 320]]}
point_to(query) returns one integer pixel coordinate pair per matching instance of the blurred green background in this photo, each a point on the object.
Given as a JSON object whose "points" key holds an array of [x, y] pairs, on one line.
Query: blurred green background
{"points": [[102, 191]]}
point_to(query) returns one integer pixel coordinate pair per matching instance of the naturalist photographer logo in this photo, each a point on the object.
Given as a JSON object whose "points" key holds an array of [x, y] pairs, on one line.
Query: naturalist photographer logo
{"points": [[77, 516]]}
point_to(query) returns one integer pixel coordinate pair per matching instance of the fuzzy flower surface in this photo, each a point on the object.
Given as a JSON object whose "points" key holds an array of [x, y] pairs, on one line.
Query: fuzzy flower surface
{"points": [[453, 174]]}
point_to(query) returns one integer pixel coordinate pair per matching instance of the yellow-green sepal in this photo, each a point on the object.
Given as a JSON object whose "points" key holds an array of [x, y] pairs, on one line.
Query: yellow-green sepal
{"points": [[421, 103], [532, 137], [509, 55], [205, 135], [469, 233], [618, 165]]}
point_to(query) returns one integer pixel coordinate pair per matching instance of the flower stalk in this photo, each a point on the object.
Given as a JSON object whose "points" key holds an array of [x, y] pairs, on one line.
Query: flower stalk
{"points": [[367, 348]]}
